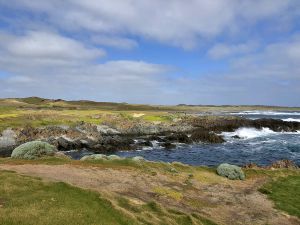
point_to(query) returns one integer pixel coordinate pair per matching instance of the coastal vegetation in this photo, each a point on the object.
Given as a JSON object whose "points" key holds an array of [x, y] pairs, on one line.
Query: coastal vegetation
{"points": [[38, 112]]}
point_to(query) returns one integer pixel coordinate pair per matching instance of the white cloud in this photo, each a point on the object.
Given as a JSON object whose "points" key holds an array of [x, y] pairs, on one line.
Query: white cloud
{"points": [[116, 42], [40, 51], [46, 45], [174, 22]]}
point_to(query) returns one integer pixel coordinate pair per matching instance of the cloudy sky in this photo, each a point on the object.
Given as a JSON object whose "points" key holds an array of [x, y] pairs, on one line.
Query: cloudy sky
{"points": [[157, 52]]}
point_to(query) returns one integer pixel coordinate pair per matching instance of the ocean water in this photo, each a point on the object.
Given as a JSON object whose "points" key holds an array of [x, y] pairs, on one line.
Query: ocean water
{"points": [[254, 146]]}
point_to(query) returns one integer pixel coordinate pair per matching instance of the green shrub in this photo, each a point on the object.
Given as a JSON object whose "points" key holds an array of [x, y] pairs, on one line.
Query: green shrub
{"points": [[114, 157], [137, 159], [232, 172], [94, 157], [33, 150]]}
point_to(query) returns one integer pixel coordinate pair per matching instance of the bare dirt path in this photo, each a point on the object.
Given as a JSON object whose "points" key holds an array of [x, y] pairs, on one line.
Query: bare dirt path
{"points": [[227, 202]]}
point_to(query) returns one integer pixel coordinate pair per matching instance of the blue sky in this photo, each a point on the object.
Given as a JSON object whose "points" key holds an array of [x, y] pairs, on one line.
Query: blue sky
{"points": [[157, 52]]}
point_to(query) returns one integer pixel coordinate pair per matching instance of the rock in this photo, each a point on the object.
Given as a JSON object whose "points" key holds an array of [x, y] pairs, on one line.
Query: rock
{"points": [[179, 137], [283, 164], [200, 135], [236, 137], [114, 157], [62, 155], [168, 145], [107, 130], [232, 172], [146, 143], [63, 144], [94, 157], [251, 166], [7, 142], [33, 150]]}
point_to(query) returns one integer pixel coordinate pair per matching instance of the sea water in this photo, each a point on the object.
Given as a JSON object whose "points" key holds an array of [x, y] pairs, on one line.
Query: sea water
{"points": [[260, 146]]}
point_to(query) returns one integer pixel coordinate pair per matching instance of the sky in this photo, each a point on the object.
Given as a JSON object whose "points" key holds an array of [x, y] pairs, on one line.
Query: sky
{"points": [[155, 52]]}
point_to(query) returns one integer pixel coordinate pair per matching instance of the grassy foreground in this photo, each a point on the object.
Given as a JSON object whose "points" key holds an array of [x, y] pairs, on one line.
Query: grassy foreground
{"points": [[27, 200], [174, 194], [30, 200]]}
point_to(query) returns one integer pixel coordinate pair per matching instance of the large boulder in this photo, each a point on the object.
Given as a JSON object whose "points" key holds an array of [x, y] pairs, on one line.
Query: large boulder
{"points": [[232, 172], [33, 150]]}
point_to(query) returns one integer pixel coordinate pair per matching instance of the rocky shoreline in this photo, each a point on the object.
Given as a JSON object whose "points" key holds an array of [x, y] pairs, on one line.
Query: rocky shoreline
{"points": [[131, 135]]}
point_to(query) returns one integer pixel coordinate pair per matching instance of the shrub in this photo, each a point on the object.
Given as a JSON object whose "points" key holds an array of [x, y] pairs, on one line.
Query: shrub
{"points": [[232, 172], [33, 150], [114, 157], [138, 159], [94, 157]]}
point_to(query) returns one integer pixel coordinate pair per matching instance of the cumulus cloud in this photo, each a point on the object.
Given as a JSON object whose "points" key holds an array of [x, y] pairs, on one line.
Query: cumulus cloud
{"points": [[174, 22]]}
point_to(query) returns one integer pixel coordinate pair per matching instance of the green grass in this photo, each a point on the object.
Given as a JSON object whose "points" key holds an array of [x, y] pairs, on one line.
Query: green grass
{"points": [[31, 201], [285, 192], [27, 200]]}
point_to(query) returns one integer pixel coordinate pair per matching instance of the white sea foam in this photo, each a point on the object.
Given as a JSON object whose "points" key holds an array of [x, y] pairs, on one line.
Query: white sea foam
{"points": [[247, 133], [267, 113], [291, 120]]}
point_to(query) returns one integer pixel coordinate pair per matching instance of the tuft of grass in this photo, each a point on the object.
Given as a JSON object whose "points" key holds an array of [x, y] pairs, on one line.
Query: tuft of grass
{"points": [[285, 192], [169, 193]]}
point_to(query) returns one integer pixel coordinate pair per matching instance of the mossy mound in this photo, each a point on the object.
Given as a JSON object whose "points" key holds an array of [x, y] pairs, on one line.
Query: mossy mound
{"points": [[94, 157], [232, 172], [33, 150]]}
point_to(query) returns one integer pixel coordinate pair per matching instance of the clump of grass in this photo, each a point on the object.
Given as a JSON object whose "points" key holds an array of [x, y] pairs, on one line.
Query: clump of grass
{"points": [[169, 193], [285, 192], [124, 203]]}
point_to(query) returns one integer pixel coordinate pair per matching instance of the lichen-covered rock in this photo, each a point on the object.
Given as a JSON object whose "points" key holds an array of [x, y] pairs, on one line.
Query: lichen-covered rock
{"points": [[33, 150], [232, 172], [94, 157]]}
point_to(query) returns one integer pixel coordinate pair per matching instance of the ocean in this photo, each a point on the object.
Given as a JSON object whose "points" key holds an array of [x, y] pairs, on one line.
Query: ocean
{"points": [[261, 147]]}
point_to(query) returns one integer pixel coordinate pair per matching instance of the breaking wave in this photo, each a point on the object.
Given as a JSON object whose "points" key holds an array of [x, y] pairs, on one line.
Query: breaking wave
{"points": [[248, 133], [267, 113]]}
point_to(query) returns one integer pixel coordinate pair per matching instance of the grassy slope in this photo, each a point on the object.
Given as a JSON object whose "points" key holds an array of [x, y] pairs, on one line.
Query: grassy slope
{"points": [[26, 195], [27, 200]]}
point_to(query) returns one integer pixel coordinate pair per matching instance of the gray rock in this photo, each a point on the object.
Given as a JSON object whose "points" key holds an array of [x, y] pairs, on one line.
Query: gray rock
{"points": [[106, 130], [7, 142]]}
